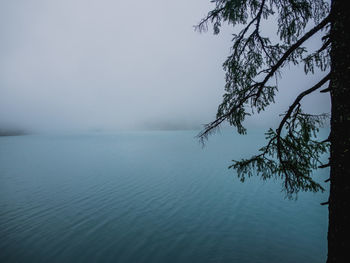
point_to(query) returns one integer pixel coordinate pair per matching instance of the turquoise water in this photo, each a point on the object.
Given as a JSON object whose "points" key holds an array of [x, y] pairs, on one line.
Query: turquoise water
{"points": [[148, 197]]}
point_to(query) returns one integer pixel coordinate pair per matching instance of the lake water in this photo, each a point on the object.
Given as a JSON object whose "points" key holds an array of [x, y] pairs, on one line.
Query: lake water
{"points": [[149, 197]]}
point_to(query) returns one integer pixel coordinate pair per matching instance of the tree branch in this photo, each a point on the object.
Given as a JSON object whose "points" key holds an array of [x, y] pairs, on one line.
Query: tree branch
{"points": [[298, 99], [289, 113], [214, 124], [202, 26], [257, 18], [288, 53], [325, 165], [257, 88]]}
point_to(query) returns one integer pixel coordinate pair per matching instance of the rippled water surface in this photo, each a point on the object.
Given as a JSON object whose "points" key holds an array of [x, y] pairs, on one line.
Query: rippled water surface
{"points": [[148, 197]]}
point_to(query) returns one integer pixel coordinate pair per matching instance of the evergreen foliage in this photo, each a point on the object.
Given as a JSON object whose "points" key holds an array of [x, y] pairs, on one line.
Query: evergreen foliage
{"points": [[252, 68]]}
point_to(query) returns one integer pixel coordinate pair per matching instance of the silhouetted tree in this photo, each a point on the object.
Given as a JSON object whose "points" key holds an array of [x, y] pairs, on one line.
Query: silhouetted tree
{"points": [[292, 151]]}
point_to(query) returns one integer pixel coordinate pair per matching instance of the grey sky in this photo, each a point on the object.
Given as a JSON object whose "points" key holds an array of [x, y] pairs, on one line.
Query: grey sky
{"points": [[109, 64]]}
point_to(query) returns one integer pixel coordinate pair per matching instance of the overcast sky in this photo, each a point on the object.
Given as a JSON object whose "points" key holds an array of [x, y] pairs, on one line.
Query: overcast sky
{"points": [[110, 64]]}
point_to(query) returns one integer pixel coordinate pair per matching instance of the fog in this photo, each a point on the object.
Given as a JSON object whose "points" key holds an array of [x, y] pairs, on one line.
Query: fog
{"points": [[118, 65]]}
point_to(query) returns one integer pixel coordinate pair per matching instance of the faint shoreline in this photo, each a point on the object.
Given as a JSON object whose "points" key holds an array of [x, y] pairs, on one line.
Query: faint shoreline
{"points": [[12, 132]]}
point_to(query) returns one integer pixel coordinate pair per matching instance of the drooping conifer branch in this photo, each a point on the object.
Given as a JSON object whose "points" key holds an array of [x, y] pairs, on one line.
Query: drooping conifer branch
{"points": [[288, 115], [256, 89], [297, 102], [285, 56], [292, 151], [211, 127]]}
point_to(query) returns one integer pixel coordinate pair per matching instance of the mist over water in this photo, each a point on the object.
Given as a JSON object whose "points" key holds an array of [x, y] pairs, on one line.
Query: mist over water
{"points": [[77, 65], [148, 197], [112, 94]]}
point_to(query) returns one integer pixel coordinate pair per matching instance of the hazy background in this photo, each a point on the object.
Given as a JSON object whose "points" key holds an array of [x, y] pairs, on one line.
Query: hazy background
{"points": [[109, 65]]}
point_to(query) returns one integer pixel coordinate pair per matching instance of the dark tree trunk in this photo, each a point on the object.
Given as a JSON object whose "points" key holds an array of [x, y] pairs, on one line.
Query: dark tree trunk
{"points": [[339, 199]]}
